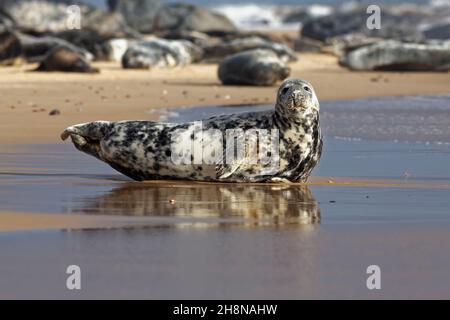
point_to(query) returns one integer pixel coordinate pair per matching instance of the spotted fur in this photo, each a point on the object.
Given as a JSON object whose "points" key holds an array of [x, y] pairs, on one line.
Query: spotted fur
{"points": [[142, 150]]}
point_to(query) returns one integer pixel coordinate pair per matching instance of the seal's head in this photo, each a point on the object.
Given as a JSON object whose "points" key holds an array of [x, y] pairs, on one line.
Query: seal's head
{"points": [[296, 97]]}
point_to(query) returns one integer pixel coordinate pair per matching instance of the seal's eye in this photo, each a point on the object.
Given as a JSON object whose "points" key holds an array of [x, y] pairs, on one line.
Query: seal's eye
{"points": [[284, 90], [307, 89]]}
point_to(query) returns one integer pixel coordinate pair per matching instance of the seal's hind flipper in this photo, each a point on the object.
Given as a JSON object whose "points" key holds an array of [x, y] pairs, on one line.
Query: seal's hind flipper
{"points": [[87, 136]]}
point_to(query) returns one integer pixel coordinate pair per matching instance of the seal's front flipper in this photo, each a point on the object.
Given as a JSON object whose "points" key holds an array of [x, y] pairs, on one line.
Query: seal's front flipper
{"points": [[87, 136]]}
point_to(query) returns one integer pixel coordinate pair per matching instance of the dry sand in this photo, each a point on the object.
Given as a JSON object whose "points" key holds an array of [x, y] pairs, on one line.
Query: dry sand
{"points": [[26, 97]]}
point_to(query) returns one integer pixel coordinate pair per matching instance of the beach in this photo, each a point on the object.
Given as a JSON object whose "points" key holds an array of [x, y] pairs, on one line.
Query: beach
{"points": [[115, 94], [368, 202], [185, 240], [376, 200]]}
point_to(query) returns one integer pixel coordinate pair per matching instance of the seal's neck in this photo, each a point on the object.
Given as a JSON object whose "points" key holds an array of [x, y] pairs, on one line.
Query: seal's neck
{"points": [[290, 121]]}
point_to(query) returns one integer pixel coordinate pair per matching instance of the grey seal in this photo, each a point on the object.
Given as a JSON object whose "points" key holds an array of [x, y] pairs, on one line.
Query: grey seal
{"points": [[160, 53], [253, 67], [35, 49], [219, 51], [392, 55], [148, 150], [10, 48], [64, 59]]}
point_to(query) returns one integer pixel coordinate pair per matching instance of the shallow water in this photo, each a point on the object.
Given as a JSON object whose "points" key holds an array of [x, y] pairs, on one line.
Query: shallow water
{"points": [[378, 202], [408, 118], [59, 179]]}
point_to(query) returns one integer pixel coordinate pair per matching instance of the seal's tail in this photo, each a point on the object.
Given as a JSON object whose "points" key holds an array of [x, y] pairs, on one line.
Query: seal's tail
{"points": [[87, 136]]}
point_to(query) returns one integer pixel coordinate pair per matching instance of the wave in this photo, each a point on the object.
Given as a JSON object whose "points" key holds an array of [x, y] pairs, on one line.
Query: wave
{"points": [[256, 16]]}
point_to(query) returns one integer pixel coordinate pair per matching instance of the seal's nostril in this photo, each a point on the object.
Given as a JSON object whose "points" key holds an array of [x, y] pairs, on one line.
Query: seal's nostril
{"points": [[298, 93], [284, 90], [307, 89]]}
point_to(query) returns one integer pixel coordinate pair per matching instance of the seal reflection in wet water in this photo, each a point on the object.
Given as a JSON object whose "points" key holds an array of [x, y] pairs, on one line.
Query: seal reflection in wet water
{"points": [[251, 205], [145, 150]]}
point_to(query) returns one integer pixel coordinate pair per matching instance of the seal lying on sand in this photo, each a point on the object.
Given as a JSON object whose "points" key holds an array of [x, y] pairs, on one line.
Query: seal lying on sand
{"points": [[257, 67], [10, 48], [35, 49], [392, 55], [217, 52], [146, 150], [64, 59], [160, 53]]}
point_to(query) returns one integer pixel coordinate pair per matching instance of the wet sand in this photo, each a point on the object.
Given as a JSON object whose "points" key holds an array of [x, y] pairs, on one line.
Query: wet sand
{"points": [[43, 221], [230, 241], [58, 179], [26, 98], [313, 261]]}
